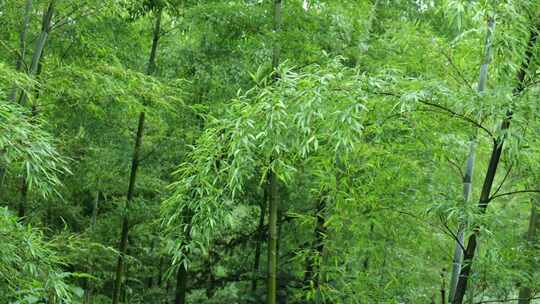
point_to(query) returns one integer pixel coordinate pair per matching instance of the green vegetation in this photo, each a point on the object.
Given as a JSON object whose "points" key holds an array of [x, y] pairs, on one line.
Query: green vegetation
{"points": [[269, 151]]}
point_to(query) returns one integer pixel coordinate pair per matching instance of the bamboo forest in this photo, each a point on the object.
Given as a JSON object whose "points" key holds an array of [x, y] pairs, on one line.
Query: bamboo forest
{"points": [[269, 151]]}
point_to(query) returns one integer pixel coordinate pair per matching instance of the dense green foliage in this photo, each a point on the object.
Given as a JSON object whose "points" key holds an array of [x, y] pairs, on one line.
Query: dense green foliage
{"points": [[353, 120]]}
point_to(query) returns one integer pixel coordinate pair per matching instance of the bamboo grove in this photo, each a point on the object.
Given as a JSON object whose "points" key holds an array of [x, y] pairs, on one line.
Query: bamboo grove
{"points": [[269, 151]]}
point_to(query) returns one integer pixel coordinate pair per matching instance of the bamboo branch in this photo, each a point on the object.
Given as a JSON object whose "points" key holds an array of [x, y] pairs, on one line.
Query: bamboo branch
{"points": [[15, 52], [454, 236], [466, 82], [456, 166], [72, 15], [512, 193], [503, 181], [446, 110], [461, 116], [400, 114], [506, 300]]}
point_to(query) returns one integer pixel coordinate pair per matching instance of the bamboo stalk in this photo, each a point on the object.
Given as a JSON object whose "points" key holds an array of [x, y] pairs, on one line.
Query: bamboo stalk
{"points": [[491, 172], [125, 221], [273, 186], [469, 169], [22, 45]]}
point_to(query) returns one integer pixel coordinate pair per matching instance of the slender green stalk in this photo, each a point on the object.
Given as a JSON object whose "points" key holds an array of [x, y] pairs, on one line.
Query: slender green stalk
{"points": [[312, 273], [22, 45], [260, 240], [95, 209], [24, 198], [155, 41], [273, 204], [276, 52], [182, 273], [122, 248], [273, 186], [181, 285], [467, 178], [89, 288], [33, 71], [40, 44], [160, 271], [150, 69], [443, 287]]}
